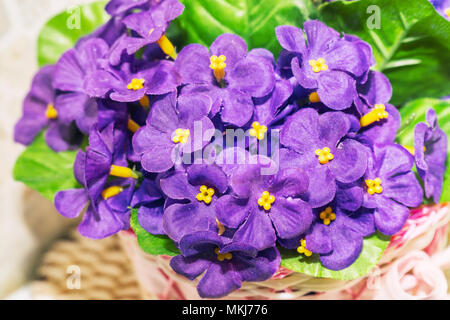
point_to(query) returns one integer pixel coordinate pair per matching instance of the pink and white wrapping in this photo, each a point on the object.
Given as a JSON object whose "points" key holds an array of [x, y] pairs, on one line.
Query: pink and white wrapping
{"points": [[412, 267]]}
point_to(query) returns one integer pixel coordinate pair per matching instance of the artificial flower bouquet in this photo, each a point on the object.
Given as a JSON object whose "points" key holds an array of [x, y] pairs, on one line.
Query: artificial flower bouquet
{"points": [[251, 148]]}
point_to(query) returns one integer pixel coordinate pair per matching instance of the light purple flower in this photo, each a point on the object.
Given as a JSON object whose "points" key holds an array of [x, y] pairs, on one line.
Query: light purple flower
{"points": [[430, 152], [231, 83], [442, 7], [327, 64], [319, 145], [391, 187], [175, 126], [39, 112], [133, 80], [71, 71], [225, 265]]}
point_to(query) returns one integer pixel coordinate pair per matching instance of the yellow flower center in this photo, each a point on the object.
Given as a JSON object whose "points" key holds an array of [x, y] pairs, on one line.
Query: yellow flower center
{"points": [[376, 114], [205, 194], [447, 12], [374, 186], [136, 84], [111, 192], [327, 216], [133, 126], [122, 172], [266, 200], [144, 102], [318, 65], [51, 112], [302, 248], [314, 97], [223, 256], [181, 135], [324, 155], [218, 66], [166, 46], [258, 130]]}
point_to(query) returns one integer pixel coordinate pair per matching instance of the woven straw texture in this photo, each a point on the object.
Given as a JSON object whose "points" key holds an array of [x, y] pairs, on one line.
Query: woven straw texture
{"points": [[79, 268]]}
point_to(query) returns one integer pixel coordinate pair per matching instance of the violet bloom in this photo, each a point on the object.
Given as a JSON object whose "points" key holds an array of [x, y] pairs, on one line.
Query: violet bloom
{"points": [[226, 73], [71, 71], [327, 65], [148, 26], [391, 187], [132, 81], [265, 205], [442, 7], [379, 120], [197, 189], [430, 151], [226, 265], [319, 145], [118, 7], [39, 112], [336, 236], [105, 215], [175, 126], [150, 200]]}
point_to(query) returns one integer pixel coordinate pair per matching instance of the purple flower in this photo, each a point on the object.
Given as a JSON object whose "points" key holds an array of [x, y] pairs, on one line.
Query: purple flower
{"points": [[265, 205], [174, 127], [328, 64], [197, 190], [442, 7], [132, 81], [225, 264], [71, 72], [318, 144], [373, 97], [229, 75], [150, 200], [39, 112], [148, 26], [391, 187], [118, 7], [430, 145], [105, 215], [338, 242]]}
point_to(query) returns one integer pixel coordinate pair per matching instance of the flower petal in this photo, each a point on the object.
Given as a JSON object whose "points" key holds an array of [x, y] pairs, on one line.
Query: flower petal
{"points": [[231, 46], [390, 216], [290, 217], [257, 231], [193, 63], [290, 38], [232, 211]]}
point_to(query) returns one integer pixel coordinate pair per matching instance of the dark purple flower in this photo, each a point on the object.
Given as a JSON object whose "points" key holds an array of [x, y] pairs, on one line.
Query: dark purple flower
{"points": [[148, 26], [118, 7], [327, 64], [104, 216], [71, 72], [318, 144], [175, 126], [197, 189], [391, 187], [150, 200], [265, 205], [132, 81], [225, 264], [39, 112], [229, 75], [430, 152]]}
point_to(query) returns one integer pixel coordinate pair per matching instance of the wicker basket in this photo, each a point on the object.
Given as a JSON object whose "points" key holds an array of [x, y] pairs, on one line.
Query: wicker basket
{"points": [[159, 281]]}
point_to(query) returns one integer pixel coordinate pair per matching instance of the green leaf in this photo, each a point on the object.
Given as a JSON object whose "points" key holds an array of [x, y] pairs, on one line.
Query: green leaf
{"points": [[373, 247], [62, 31], [413, 113], [253, 20], [412, 45], [45, 170], [149, 243]]}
